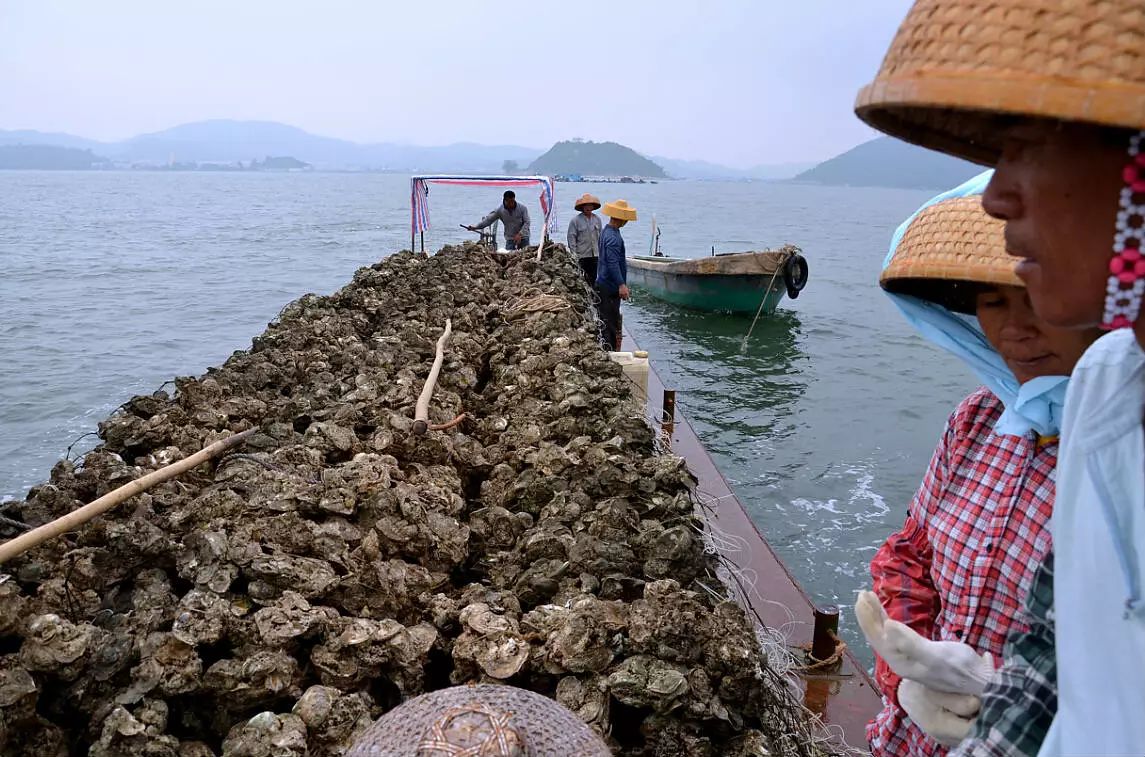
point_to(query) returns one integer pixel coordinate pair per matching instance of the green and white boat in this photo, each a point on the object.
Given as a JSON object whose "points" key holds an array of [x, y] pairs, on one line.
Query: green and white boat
{"points": [[732, 282]]}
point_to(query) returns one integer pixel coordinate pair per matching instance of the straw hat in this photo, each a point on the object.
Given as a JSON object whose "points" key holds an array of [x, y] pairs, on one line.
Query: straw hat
{"points": [[620, 209], [486, 720], [947, 252], [587, 199], [956, 65]]}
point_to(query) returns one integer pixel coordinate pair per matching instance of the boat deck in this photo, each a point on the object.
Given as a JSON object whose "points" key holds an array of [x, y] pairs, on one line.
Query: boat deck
{"points": [[848, 698]]}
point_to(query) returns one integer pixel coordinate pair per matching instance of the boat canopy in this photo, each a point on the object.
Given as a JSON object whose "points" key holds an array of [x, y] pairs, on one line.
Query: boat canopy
{"points": [[419, 198]]}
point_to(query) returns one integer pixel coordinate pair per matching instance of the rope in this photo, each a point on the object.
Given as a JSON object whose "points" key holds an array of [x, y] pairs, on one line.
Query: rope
{"points": [[534, 301], [828, 665], [450, 424], [763, 301]]}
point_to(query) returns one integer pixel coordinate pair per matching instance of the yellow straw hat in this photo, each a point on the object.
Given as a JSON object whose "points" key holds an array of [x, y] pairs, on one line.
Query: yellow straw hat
{"points": [[587, 199], [955, 66], [621, 210], [949, 250]]}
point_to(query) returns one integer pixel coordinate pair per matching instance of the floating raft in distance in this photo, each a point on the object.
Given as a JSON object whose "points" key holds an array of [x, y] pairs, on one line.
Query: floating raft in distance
{"points": [[735, 282]]}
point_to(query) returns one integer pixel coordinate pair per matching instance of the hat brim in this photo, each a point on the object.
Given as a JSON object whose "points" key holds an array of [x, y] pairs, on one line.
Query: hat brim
{"points": [[949, 253], [953, 294], [965, 114], [581, 205]]}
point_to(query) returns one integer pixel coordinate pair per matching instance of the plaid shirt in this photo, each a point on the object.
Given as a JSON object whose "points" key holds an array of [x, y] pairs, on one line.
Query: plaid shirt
{"points": [[1019, 704], [961, 566]]}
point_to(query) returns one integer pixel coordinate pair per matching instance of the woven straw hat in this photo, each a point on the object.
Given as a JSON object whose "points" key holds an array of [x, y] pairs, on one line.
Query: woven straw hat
{"points": [[587, 199], [486, 720], [947, 252], [620, 209], [956, 65]]}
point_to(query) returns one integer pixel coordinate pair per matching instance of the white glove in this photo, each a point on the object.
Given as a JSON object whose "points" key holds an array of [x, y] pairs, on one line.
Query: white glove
{"points": [[946, 718], [945, 666]]}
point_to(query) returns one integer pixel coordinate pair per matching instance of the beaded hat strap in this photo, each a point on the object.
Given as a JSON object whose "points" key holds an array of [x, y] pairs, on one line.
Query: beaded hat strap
{"points": [[1126, 286]]}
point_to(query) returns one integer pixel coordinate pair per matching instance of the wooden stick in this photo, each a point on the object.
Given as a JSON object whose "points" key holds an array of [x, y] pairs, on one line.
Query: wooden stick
{"points": [[35, 537], [421, 410]]}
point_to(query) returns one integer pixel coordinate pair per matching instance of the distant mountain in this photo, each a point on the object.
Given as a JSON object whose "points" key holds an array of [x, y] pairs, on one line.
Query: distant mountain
{"points": [[886, 162], [225, 141], [47, 157], [30, 137], [702, 169], [595, 159]]}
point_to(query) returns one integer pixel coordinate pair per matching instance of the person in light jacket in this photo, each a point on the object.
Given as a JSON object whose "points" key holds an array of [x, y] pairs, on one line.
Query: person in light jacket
{"points": [[960, 568], [584, 236], [515, 218], [1063, 127], [612, 272]]}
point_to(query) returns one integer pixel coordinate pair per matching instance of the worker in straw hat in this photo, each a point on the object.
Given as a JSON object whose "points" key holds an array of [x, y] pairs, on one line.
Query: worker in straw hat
{"points": [[485, 720], [584, 235], [1052, 94], [612, 272], [990, 481]]}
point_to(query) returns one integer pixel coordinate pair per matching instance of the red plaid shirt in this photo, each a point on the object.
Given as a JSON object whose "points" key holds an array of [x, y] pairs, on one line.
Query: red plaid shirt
{"points": [[964, 560]]}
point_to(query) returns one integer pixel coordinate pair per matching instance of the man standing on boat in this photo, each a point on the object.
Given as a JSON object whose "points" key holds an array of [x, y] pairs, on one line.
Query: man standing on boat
{"points": [[612, 272], [584, 235], [515, 218]]}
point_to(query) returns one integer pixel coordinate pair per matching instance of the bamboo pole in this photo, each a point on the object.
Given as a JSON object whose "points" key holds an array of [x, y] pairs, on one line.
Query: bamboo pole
{"points": [[35, 537], [421, 410]]}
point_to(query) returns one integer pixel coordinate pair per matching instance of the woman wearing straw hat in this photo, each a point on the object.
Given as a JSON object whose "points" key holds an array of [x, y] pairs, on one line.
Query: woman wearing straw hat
{"points": [[584, 235], [960, 567], [1053, 94], [612, 272]]}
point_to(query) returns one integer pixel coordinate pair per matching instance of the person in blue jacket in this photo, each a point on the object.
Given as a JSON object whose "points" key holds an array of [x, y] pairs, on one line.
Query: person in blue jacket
{"points": [[612, 272]]}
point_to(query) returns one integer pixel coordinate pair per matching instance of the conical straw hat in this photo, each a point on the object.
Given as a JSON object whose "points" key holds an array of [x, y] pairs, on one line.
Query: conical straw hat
{"points": [[490, 720], [955, 66], [587, 199], [949, 249], [620, 209]]}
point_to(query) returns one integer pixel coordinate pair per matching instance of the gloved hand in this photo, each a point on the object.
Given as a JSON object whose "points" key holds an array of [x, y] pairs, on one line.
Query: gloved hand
{"points": [[946, 718], [945, 666]]}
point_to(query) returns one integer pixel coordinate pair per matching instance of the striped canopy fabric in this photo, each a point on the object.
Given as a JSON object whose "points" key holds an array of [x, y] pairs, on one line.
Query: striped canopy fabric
{"points": [[419, 195]]}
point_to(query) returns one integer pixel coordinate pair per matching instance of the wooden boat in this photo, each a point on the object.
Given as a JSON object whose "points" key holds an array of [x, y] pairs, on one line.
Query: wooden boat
{"points": [[735, 282]]}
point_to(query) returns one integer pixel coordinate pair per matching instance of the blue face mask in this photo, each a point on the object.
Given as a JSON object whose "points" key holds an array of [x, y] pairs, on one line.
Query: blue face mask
{"points": [[1033, 406]]}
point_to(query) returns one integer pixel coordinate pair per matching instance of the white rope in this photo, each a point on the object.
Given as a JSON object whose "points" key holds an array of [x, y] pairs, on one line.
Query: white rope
{"points": [[762, 302]]}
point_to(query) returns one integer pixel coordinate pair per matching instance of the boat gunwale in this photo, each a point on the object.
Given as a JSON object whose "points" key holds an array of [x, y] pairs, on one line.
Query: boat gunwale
{"points": [[848, 698]]}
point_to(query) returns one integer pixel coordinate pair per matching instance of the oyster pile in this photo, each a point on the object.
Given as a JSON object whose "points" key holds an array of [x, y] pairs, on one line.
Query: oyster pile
{"points": [[275, 601]]}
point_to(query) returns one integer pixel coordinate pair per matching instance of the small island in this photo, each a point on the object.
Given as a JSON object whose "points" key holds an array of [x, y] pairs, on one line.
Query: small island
{"points": [[577, 157]]}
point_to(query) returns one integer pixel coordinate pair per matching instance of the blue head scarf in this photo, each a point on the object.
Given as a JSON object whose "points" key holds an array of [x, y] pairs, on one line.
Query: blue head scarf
{"points": [[1033, 406]]}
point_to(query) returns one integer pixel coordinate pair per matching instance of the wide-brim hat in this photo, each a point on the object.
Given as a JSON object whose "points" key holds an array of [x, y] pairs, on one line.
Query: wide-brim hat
{"points": [[484, 719], [587, 199], [620, 209], [957, 67], [948, 253]]}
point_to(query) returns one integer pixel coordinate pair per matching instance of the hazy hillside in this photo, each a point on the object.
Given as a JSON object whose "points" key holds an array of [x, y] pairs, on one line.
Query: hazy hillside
{"points": [[47, 157], [886, 162], [225, 141], [30, 137], [702, 169], [595, 159]]}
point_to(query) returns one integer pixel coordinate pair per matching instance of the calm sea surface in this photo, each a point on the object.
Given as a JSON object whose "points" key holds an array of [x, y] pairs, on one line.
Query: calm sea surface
{"points": [[113, 283]]}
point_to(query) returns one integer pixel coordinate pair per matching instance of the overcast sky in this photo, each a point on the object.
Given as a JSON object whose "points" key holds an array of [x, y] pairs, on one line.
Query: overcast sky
{"points": [[740, 82]]}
